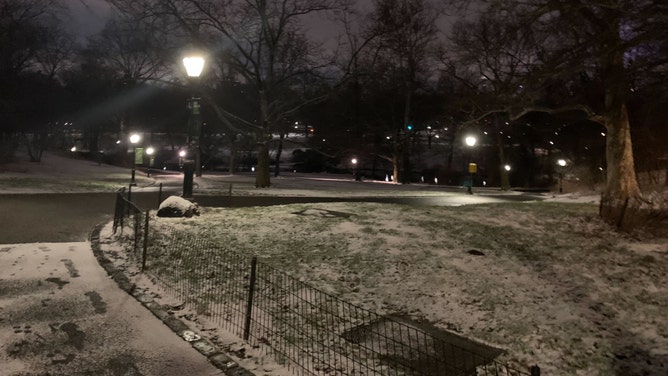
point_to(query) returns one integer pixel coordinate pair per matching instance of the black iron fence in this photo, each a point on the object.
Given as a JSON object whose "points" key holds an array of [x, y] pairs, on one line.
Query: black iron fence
{"points": [[306, 329]]}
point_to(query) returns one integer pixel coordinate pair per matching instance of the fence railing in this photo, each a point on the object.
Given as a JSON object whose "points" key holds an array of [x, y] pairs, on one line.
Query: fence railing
{"points": [[306, 329]]}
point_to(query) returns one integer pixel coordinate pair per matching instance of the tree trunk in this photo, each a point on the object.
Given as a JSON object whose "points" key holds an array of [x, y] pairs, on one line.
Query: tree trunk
{"points": [[503, 174], [405, 150], [233, 156], [621, 191], [622, 187], [262, 172], [278, 155]]}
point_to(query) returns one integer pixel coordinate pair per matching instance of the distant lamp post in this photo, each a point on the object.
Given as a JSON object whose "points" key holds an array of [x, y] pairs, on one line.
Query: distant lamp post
{"points": [[562, 164], [473, 168], [149, 151], [507, 168], [182, 156], [194, 66], [187, 175], [354, 163], [134, 139]]}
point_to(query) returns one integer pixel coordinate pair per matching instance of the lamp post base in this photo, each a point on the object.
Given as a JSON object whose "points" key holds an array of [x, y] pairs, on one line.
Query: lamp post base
{"points": [[188, 180]]}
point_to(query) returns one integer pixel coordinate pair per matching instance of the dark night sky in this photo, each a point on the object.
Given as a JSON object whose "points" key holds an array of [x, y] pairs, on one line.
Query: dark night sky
{"points": [[89, 16]]}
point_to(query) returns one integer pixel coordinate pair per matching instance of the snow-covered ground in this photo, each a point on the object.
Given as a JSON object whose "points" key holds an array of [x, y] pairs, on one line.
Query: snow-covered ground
{"points": [[556, 286]]}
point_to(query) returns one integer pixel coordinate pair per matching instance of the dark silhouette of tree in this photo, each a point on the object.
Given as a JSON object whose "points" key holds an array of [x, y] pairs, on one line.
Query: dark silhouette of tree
{"points": [[612, 45], [29, 97]]}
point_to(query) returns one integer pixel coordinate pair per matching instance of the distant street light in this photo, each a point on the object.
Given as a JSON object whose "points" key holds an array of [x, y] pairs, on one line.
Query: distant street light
{"points": [[149, 151], [182, 156], [354, 162], [562, 164], [134, 139], [473, 168], [507, 167]]}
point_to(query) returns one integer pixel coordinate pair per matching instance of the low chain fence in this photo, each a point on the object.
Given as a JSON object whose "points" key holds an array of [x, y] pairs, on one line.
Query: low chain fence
{"points": [[308, 330]]}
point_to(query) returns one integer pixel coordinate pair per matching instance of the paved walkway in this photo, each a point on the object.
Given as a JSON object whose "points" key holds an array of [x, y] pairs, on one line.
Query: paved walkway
{"points": [[60, 314]]}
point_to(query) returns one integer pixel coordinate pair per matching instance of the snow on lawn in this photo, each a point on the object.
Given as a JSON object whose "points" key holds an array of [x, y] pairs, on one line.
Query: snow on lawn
{"points": [[57, 173], [555, 286]]}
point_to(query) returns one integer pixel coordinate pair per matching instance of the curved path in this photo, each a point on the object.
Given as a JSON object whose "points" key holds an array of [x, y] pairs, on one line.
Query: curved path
{"points": [[60, 313]]}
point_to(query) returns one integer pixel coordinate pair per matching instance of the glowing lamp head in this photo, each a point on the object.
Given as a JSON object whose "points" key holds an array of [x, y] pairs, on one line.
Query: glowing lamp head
{"points": [[194, 65]]}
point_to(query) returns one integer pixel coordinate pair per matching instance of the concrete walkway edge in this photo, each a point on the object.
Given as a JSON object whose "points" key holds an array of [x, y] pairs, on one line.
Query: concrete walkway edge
{"points": [[205, 347]]}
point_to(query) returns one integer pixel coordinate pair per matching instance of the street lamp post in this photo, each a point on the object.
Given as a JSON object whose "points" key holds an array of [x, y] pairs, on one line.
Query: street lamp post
{"points": [[187, 174], [562, 164], [354, 162], [473, 168], [134, 139], [194, 66], [149, 152]]}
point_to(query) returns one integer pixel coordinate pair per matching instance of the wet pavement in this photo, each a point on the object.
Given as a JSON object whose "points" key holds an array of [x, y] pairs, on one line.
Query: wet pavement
{"points": [[60, 314]]}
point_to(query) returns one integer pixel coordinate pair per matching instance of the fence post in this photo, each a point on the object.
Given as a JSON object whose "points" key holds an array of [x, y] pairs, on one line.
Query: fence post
{"points": [[117, 211], [137, 226], [143, 255], [535, 371], [130, 193], [229, 196], [249, 303], [123, 211], [160, 195]]}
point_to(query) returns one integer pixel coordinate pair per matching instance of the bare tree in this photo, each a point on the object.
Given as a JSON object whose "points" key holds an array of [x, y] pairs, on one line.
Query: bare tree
{"points": [[263, 43], [494, 59], [407, 36], [618, 43], [25, 28], [137, 50]]}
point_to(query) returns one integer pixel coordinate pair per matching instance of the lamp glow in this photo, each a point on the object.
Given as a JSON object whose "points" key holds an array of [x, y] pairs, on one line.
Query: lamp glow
{"points": [[194, 65]]}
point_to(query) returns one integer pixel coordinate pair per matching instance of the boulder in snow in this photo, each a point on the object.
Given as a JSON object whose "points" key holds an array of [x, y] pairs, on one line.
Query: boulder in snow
{"points": [[175, 206]]}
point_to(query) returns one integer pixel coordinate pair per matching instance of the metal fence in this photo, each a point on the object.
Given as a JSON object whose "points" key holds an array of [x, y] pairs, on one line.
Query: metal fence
{"points": [[306, 329]]}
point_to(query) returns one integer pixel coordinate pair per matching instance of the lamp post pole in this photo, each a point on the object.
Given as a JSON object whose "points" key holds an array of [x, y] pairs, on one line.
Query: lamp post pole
{"points": [[472, 167], [354, 162], [149, 152], [562, 164], [134, 139], [194, 66]]}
